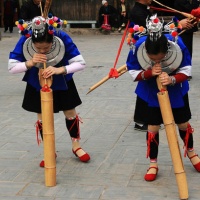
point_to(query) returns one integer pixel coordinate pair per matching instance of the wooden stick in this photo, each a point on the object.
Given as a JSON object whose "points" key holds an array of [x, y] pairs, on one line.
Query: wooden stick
{"points": [[45, 81], [47, 8], [173, 143], [41, 9], [182, 13], [187, 29], [120, 70]]}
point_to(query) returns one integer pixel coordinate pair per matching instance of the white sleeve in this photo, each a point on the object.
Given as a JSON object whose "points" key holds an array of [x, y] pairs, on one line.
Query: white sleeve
{"points": [[134, 73], [14, 66], [75, 64]]}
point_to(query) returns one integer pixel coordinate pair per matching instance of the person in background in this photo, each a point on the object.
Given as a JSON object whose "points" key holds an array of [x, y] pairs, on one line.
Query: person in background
{"points": [[187, 6], [63, 59], [138, 15], [151, 59], [10, 7], [111, 12], [123, 11], [31, 9]]}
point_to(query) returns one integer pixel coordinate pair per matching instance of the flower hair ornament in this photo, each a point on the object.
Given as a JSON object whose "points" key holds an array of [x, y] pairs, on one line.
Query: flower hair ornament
{"points": [[174, 28], [134, 33], [154, 29], [37, 25]]}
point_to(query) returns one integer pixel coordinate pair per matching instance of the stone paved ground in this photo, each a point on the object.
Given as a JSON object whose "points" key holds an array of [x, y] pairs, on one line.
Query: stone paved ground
{"points": [[118, 161]]}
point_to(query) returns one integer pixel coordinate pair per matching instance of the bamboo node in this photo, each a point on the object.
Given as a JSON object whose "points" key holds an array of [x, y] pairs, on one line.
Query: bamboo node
{"points": [[49, 167], [172, 123], [47, 100], [179, 172], [49, 133]]}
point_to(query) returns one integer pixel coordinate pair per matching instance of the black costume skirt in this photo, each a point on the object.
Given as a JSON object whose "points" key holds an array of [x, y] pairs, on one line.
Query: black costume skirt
{"points": [[181, 115], [62, 99]]}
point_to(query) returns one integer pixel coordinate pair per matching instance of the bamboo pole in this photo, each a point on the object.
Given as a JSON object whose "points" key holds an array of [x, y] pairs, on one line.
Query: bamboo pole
{"points": [[48, 137], [172, 138], [121, 70], [47, 8], [42, 14], [48, 129]]}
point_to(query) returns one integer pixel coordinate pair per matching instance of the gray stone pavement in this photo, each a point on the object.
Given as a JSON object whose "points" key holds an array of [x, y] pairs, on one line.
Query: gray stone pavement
{"points": [[118, 161]]}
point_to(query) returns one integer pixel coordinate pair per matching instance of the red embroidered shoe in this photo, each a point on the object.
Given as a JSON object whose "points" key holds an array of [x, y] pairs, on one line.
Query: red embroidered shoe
{"points": [[42, 162], [151, 177], [196, 166], [84, 158]]}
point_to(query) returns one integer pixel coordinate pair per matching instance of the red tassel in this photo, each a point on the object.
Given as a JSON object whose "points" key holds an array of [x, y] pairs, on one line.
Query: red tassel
{"points": [[46, 88], [163, 90], [38, 126], [113, 73], [151, 138], [76, 122]]}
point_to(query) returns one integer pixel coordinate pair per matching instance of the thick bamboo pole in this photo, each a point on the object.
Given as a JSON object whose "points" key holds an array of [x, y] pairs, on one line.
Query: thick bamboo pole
{"points": [[48, 129], [172, 138], [48, 137]]}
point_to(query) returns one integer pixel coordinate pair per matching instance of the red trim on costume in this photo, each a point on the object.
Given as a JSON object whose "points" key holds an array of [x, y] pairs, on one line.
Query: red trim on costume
{"points": [[180, 77], [146, 75]]}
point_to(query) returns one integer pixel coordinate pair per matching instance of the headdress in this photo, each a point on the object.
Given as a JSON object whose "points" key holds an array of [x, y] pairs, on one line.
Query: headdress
{"points": [[154, 30], [37, 27], [154, 27]]}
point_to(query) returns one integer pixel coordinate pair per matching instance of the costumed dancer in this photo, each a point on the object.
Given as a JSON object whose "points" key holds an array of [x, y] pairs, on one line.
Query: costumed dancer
{"points": [[43, 44], [167, 57]]}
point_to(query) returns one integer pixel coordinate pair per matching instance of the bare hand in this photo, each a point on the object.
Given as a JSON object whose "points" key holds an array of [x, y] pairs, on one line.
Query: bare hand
{"points": [[156, 69], [165, 79], [49, 71], [39, 58], [186, 23]]}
